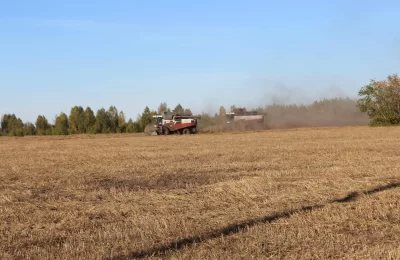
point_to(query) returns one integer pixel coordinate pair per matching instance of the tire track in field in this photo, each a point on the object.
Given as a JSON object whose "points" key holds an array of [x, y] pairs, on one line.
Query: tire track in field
{"points": [[239, 227]]}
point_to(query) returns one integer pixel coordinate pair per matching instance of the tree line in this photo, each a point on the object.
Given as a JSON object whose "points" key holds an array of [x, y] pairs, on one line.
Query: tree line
{"points": [[378, 105], [83, 121], [380, 100]]}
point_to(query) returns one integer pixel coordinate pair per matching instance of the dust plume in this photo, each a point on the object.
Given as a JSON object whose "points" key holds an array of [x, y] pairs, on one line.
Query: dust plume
{"points": [[290, 108], [286, 107], [326, 112]]}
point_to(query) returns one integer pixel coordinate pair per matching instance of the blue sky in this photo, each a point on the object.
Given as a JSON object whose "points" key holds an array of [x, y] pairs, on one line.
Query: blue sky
{"points": [[202, 54]]}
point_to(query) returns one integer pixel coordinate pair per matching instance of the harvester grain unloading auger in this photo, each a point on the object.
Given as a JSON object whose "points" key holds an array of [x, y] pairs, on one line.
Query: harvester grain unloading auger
{"points": [[174, 123]]}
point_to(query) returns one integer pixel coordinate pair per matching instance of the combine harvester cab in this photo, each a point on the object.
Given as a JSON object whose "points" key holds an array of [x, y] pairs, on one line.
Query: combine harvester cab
{"points": [[240, 119], [173, 123]]}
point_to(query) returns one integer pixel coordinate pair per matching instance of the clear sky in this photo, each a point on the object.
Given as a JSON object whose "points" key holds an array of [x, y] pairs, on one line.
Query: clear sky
{"points": [[202, 54]]}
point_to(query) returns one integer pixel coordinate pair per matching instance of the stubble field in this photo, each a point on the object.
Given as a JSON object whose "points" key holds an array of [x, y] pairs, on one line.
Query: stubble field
{"points": [[292, 194]]}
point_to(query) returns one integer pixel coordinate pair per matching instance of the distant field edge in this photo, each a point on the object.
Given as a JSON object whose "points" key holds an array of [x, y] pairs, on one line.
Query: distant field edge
{"points": [[137, 135]]}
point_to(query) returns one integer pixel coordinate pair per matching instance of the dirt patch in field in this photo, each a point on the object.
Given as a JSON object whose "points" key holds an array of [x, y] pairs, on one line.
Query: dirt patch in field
{"points": [[165, 181]]}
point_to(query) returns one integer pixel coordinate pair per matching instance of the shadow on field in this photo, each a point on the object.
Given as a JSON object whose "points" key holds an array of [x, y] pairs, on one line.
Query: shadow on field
{"points": [[239, 227]]}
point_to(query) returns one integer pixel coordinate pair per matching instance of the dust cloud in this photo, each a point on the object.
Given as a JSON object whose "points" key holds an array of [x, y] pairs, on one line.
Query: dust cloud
{"points": [[288, 108], [323, 113], [285, 107]]}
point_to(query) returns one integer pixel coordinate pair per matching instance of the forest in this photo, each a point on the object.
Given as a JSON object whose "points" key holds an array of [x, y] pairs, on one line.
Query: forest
{"points": [[378, 105], [326, 112]]}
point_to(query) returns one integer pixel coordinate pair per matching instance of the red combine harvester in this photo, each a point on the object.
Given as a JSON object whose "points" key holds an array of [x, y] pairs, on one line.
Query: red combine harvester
{"points": [[241, 119], [173, 123]]}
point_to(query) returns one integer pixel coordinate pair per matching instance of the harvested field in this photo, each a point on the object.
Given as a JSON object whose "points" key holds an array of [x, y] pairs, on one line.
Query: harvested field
{"points": [[301, 193]]}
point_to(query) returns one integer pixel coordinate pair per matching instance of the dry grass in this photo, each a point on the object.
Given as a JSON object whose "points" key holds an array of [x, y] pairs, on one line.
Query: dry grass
{"points": [[365, 229], [97, 197]]}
